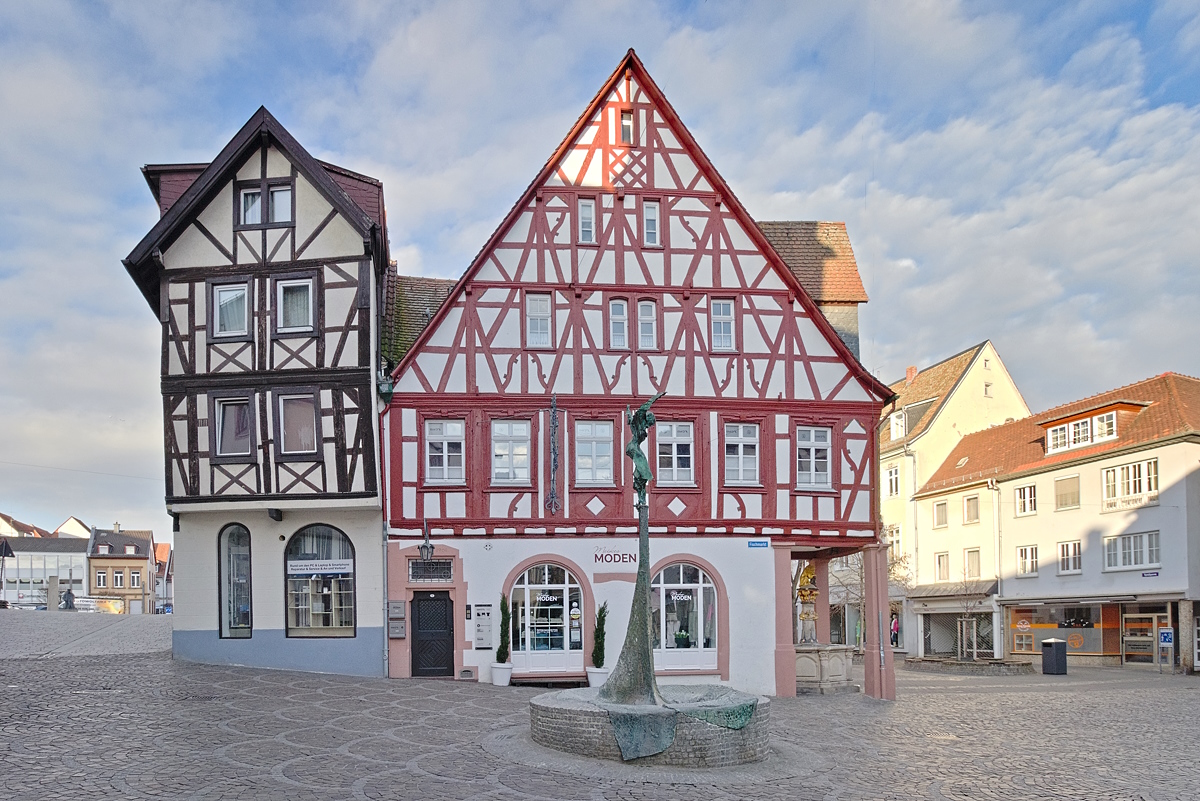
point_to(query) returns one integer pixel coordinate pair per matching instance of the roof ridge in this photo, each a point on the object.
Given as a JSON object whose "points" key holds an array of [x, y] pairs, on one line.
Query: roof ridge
{"points": [[1093, 396], [935, 365]]}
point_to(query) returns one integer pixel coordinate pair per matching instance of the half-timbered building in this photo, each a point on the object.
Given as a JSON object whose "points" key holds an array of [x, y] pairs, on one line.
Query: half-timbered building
{"points": [[266, 271], [627, 268]]}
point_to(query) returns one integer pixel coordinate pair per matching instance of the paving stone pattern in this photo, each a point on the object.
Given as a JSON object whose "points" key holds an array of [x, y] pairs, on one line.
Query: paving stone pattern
{"points": [[146, 727]]}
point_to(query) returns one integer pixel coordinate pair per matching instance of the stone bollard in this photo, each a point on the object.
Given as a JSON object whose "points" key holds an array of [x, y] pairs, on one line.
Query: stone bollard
{"points": [[52, 594]]}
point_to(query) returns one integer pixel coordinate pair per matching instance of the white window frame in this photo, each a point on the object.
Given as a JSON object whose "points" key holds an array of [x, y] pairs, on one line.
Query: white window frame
{"points": [[721, 324], [896, 425], [272, 207], [1027, 561], [1129, 485], [316, 421], [945, 510], [130, 550], [1057, 439], [1109, 422], [651, 224], [651, 320], [1070, 558], [1078, 501], [218, 291], [135, 579], [941, 566], [436, 433], [219, 407], [626, 116], [893, 480], [513, 443], [966, 501], [809, 442], [280, 286], [618, 339], [667, 435], [242, 196], [593, 442], [967, 563], [586, 211], [735, 463], [1081, 432], [101, 582], [1132, 551], [1025, 500], [103, 550], [118, 579], [539, 339]]}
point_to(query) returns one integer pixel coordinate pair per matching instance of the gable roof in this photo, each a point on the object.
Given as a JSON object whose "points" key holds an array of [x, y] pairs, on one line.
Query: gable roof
{"points": [[633, 65], [140, 263], [820, 256], [934, 385], [143, 539], [46, 545], [1171, 409], [25, 529]]}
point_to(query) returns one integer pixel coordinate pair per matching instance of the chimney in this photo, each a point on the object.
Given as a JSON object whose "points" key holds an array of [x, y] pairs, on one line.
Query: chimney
{"points": [[117, 526], [910, 375]]}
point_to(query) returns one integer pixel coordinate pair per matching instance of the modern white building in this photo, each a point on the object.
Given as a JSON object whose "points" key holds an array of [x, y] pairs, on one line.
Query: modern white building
{"points": [[1094, 511]]}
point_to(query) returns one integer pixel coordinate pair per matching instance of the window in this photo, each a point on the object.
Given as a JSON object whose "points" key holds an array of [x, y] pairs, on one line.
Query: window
{"points": [[1026, 500], [230, 302], [280, 210], [1077, 433], [683, 618], [647, 325], [893, 480], [103, 549], [812, 456], [319, 563], [741, 453], [650, 224], [1027, 560], [896, 423], [251, 206], [942, 567], [294, 305], [971, 509], [895, 543], [1081, 432], [971, 563], [131, 549], [233, 548], [674, 453], [618, 324], [626, 127], [987, 390], [722, 325], [1066, 493], [135, 579], [438, 571], [101, 579], [118, 579], [1132, 551], [537, 321], [444, 447], [1058, 438], [545, 599], [1023, 642], [233, 427], [1070, 557], [1130, 485], [593, 452], [510, 451], [298, 424], [939, 514], [587, 221], [1106, 426]]}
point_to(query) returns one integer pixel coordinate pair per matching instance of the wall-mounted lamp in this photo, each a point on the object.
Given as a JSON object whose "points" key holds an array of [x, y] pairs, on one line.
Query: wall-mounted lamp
{"points": [[275, 514], [426, 547]]}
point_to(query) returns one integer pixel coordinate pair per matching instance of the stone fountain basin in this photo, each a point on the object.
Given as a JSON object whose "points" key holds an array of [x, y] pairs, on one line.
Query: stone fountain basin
{"points": [[713, 725]]}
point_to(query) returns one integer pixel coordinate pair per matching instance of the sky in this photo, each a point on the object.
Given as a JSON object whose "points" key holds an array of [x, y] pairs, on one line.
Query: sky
{"points": [[1026, 173]]}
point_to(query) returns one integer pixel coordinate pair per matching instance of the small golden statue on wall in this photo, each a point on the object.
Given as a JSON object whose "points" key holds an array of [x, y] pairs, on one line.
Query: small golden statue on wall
{"points": [[807, 594]]}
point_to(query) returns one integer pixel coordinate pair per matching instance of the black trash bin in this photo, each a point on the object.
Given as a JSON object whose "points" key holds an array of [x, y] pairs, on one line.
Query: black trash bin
{"points": [[1054, 657]]}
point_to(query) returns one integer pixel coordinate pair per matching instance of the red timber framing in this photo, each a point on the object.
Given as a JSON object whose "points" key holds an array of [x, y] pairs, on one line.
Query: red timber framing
{"points": [[711, 315]]}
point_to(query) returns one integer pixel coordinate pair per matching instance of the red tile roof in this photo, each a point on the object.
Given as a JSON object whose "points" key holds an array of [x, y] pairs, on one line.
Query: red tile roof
{"points": [[819, 254], [417, 299], [26, 529], [934, 383], [1172, 409]]}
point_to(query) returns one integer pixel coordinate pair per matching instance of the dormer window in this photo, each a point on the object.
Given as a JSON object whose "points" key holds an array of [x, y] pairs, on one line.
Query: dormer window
{"points": [[103, 550], [1078, 433], [1081, 432], [897, 425], [130, 549]]}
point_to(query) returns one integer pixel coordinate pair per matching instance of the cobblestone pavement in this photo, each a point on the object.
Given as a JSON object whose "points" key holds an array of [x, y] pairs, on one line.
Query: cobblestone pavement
{"points": [[143, 727], [40, 634]]}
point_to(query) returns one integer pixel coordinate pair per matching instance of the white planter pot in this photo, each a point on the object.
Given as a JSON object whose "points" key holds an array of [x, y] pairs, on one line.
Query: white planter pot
{"points": [[501, 673], [597, 676]]}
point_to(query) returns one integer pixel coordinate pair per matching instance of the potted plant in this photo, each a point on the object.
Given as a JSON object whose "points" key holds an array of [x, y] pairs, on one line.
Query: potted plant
{"points": [[502, 668], [597, 674], [683, 639]]}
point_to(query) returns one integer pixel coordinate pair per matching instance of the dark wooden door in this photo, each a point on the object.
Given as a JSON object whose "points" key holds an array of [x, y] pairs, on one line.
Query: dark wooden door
{"points": [[433, 634]]}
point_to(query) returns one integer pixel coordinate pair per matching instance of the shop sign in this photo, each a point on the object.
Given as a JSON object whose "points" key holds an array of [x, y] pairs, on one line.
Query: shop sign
{"points": [[1075, 640], [307, 566], [677, 595], [1023, 625], [549, 599], [606, 557]]}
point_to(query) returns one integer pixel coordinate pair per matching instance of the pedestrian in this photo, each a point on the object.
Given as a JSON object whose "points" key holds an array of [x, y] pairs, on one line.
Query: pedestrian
{"points": [[895, 630]]}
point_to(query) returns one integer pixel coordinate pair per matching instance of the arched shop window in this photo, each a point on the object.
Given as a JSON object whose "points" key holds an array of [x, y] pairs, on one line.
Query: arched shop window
{"points": [[683, 618], [233, 546], [547, 620], [319, 563]]}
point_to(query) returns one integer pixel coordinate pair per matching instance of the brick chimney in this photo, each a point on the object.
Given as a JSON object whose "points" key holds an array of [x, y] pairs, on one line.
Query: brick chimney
{"points": [[911, 375]]}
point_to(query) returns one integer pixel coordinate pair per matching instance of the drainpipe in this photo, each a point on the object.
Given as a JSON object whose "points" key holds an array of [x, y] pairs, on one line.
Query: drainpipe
{"points": [[386, 643], [998, 631]]}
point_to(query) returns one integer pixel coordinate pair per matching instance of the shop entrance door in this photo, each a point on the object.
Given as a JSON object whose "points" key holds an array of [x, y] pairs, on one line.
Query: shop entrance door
{"points": [[433, 634], [1137, 637]]}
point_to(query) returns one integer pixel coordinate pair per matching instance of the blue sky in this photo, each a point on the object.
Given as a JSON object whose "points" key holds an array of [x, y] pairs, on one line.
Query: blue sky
{"points": [[1028, 173]]}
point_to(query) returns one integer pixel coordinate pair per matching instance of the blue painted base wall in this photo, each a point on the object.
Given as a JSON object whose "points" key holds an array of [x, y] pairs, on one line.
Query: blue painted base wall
{"points": [[361, 655]]}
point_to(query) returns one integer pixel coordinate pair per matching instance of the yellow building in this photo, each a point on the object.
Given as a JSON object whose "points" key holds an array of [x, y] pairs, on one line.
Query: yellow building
{"points": [[121, 568]]}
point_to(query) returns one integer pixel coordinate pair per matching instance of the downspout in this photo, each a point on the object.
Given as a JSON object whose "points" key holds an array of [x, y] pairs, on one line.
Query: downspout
{"points": [[994, 486]]}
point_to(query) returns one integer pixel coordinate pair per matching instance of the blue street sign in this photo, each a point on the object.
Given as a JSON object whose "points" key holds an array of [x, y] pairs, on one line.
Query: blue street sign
{"points": [[1166, 636], [758, 544]]}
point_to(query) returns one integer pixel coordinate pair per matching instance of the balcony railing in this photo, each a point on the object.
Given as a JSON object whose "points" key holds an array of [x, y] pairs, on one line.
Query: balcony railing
{"points": [[1122, 502]]}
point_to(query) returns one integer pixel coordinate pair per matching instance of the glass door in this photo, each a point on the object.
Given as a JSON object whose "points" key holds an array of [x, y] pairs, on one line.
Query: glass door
{"points": [[1137, 639], [547, 621]]}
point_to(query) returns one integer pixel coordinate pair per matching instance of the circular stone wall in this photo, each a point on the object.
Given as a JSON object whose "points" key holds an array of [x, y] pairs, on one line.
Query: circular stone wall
{"points": [[571, 721]]}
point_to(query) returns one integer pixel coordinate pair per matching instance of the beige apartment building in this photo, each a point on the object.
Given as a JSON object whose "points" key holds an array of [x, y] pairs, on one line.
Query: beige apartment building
{"points": [[121, 567]]}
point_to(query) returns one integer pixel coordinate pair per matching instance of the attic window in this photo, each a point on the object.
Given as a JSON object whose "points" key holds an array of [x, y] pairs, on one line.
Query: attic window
{"points": [[627, 127], [102, 549], [250, 212], [897, 425], [962, 462], [131, 549]]}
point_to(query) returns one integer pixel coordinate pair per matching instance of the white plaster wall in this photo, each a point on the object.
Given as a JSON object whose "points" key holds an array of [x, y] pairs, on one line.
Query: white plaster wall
{"points": [[337, 239], [956, 537], [748, 574]]}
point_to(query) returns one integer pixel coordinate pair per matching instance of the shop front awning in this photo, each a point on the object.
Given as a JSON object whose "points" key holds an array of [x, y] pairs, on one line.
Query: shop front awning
{"points": [[1148, 597], [961, 589]]}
